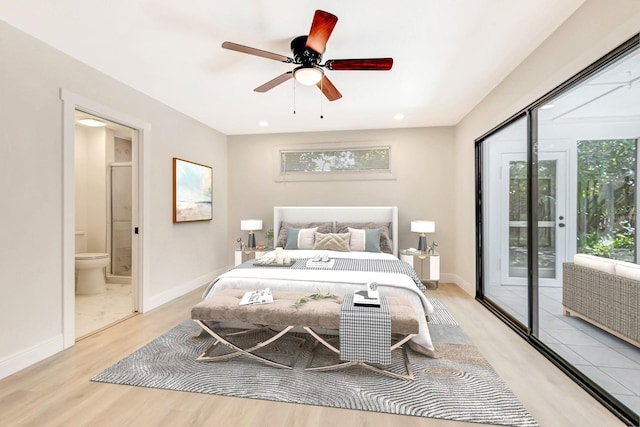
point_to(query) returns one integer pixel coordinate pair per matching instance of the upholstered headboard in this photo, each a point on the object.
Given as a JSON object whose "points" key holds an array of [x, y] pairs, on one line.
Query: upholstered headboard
{"points": [[339, 214]]}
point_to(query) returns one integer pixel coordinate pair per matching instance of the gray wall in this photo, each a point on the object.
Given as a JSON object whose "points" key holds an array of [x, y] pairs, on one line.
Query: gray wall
{"points": [[423, 187], [178, 257]]}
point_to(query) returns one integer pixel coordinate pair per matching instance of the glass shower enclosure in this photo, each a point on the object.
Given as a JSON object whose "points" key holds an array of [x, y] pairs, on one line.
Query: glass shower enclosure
{"points": [[119, 221]]}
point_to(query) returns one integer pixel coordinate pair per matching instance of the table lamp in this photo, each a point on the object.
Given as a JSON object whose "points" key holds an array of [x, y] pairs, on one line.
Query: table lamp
{"points": [[423, 227], [251, 225]]}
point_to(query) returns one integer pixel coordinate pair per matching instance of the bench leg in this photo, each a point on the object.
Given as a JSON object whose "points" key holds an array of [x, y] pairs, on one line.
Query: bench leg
{"points": [[240, 351], [342, 365]]}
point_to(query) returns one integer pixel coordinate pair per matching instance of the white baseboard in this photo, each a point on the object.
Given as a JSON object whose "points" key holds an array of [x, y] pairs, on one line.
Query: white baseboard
{"points": [[27, 357], [470, 288], [155, 301]]}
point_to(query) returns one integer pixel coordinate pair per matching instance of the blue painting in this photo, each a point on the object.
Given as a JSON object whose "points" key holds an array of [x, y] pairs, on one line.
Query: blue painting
{"points": [[192, 191]]}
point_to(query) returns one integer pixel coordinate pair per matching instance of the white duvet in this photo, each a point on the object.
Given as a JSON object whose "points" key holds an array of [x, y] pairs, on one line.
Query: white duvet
{"points": [[334, 281]]}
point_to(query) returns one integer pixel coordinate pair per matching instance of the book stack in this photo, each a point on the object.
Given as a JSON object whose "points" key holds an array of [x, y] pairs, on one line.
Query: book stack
{"points": [[366, 298], [262, 296]]}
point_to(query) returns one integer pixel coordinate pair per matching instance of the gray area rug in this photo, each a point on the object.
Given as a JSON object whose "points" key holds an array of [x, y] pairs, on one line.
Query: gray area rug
{"points": [[460, 385]]}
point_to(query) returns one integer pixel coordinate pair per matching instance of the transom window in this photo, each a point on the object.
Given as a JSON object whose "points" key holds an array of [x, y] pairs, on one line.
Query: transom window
{"points": [[332, 163]]}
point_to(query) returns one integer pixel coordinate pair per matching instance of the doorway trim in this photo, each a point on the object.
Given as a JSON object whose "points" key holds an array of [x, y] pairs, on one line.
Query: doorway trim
{"points": [[70, 103]]}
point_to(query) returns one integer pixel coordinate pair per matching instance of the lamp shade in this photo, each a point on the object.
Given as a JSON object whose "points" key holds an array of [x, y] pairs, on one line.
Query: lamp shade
{"points": [[423, 226], [251, 224]]}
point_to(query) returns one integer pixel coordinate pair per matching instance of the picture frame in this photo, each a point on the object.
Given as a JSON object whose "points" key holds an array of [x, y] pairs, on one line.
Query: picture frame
{"points": [[192, 191]]}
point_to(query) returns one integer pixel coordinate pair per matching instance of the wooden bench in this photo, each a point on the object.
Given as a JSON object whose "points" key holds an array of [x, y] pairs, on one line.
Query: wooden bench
{"points": [[323, 314]]}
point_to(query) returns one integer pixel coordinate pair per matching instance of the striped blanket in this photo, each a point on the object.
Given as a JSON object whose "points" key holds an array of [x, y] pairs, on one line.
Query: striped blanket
{"points": [[352, 264]]}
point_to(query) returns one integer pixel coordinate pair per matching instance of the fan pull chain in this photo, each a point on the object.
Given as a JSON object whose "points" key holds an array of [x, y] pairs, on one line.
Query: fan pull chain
{"points": [[321, 96], [294, 96]]}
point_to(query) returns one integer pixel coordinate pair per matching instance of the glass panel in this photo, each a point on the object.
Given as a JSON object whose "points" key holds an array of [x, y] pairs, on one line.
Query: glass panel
{"points": [[595, 127], [121, 224], [587, 140], [518, 218], [369, 159], [505, 219], [606, 218], [547, 186]]}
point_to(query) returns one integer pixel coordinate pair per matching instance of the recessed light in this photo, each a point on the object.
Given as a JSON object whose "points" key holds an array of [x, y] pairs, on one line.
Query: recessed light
{"points": [[263, 123], [91, 122], [547, 106], [398, 116]]}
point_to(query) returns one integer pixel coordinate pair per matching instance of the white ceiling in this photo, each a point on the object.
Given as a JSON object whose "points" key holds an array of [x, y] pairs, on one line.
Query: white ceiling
{"points": [[610, 94], [448, 55]]}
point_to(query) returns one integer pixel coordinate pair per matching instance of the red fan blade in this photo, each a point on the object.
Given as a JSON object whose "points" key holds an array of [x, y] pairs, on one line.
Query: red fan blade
{"points": [[328, 89], [380, 64], [275, 82], [256, 52], [321, 28]]}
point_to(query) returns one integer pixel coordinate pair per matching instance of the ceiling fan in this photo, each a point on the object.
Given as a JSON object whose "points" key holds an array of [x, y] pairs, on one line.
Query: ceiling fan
{"points": [[307, 54]]}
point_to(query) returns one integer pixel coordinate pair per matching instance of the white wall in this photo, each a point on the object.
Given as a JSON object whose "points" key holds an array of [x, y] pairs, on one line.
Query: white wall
{"points": [[594, 30], [81, 192], [423, 187], [180, 257], [91, 188]]}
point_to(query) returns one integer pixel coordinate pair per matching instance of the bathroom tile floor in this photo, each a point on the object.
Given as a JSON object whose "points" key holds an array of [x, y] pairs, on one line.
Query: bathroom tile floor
{"points": [[94, 312]]}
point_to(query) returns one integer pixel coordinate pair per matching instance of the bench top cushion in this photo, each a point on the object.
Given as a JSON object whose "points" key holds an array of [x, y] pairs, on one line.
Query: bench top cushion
{"points": [[224, 306]]}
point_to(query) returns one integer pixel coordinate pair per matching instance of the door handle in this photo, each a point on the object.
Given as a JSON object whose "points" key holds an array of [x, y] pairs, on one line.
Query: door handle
{"points": [[561, 224]]}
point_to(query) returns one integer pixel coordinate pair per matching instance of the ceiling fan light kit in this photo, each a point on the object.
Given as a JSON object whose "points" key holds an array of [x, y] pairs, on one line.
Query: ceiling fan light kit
{"points": [[308, 76], [307, 54]]}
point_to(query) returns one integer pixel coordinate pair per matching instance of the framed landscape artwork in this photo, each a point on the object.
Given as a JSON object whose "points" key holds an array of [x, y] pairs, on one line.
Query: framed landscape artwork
{"points": [[192, 191]]}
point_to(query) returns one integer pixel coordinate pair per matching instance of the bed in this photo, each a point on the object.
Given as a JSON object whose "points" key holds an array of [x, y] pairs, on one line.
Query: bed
{"points": [[358, 258]]}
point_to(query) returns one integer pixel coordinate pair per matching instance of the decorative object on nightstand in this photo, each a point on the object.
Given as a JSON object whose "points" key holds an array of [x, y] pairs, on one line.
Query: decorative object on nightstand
{"points": [[432, 248], [423, 227], [269, 236], [251, 225]]}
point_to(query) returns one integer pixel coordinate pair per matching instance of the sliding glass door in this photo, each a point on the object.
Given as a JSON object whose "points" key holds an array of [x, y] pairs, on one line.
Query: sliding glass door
{"points": [[506, 219], [559, 179]]}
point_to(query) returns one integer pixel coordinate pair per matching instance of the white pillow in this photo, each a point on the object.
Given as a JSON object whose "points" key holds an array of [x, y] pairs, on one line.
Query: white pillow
{"points": [[627, 270], [357, 240], [597, 263]]}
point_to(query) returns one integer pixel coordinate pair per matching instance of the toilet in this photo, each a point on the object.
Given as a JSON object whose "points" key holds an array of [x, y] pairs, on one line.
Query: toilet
{"points": [[90, 268]]}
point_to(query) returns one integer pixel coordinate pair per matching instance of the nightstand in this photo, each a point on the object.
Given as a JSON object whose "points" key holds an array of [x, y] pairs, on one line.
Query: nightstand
{"points": [[241, 256], [427, 265]]}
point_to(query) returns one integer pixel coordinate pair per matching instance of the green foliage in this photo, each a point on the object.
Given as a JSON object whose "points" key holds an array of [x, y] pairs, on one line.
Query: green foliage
{"points": [[318, 295], [269, 236], [606, 198], [335, 160]]}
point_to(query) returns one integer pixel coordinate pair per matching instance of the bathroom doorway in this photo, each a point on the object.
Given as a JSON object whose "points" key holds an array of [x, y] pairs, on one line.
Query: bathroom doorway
{"points": [[104, 202]]}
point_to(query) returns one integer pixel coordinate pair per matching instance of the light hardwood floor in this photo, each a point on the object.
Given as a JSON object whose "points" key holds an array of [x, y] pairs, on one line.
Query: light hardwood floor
{"points": [[57, 391]]}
